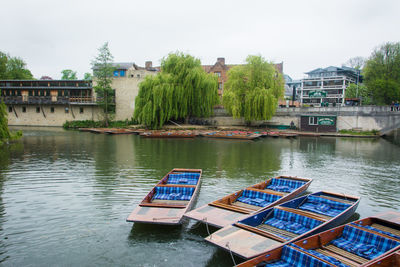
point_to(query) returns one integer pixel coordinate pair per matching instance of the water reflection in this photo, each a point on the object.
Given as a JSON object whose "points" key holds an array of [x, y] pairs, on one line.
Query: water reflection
{"points": [[66, 192]]}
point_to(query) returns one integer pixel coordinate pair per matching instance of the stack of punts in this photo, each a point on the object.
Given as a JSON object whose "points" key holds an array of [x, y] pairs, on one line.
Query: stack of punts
{"points": [[290, 221], [169, 199], [367, 242], [169, 134], [240, 204], [231, 135]]}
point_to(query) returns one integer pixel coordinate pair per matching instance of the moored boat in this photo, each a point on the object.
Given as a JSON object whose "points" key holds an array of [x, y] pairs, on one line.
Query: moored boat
{"points": [[290, 221], [238, 205], [231, 135], [367, 242], [169, 199], [169, 134]]}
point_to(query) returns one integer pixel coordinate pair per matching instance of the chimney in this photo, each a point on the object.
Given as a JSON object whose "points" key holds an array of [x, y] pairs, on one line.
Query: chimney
{"points": [[221, 60], [148, 65]]}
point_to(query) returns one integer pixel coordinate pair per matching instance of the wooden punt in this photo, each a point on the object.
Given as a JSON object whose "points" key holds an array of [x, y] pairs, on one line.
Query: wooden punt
{"points": [[322, 246], [169, 199], [271, 228], [121, 131], [232, 135], [169, 134], [228, 209]]}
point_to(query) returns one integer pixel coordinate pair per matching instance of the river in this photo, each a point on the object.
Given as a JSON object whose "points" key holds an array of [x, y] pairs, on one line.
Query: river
{"points": [[65, 195]]}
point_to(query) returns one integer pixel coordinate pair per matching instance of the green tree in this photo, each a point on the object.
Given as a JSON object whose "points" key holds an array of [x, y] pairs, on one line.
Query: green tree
{"points": [[182, 89], [253, 90], [68, 75], [382, 74], [355, 63], [13, 68], [360, 91], [87, 76], [103, 72]]}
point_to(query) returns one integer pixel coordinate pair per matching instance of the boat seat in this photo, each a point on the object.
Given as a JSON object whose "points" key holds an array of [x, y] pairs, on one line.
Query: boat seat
{"points": [[381, 229], [244, 205], [284, 185], [362, 243], [170, 202], [291, 222], [183, 178], [322, 256], [173, 193], [323, 206], [257, 198], [293, 257], [276, 231]]}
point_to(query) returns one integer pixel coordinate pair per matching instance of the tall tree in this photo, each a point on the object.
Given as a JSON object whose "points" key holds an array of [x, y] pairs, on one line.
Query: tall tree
{"points": [[68, 75], [13, 68], [359, 91], [182, 89], [253, 90], [87, 76], [103, 72], [355, 63]]}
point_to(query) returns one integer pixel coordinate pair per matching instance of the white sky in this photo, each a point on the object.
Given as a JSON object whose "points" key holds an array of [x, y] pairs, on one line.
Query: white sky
{"points": [[54, 35]]}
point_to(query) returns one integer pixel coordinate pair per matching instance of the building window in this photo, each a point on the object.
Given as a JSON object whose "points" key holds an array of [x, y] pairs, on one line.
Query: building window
{"points": [[52, 109], [138, 75], [313, 121], [218, 73], [66, 110], [10, 109], [81, 110], [23, 109], [37, 109]]}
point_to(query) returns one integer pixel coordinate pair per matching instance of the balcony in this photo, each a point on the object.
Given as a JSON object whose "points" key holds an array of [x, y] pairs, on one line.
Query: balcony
{"points": [[48, 100]]}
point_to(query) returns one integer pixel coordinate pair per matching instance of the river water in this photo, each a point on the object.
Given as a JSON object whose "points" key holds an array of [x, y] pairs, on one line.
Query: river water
{"points": [[65, 195]]}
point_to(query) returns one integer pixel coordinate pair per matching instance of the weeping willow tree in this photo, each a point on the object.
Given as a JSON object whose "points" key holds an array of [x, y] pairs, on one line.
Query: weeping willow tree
{"points": [[252, 91], [182, 89]]}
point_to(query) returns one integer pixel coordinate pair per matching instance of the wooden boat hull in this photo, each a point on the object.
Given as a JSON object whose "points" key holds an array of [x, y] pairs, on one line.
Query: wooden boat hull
{"points": [[247, 241], [166, 135], [168, 212], [219, 217], [320, 243]]}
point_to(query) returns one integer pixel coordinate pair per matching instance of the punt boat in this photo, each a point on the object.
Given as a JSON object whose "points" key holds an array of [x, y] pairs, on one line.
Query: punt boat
{"points": [[169, 199], [231, 135], [368, 242], [169, 134], [290, 221], [240, 204]]}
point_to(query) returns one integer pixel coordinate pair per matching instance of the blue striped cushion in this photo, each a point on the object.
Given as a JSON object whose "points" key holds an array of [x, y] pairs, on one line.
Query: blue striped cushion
{"points": [[173, 193], [284, 185], [292, 257], [323, 206], [363, 243], [369, 227], [257, 198], [321, 256], [188, 178], [292, 222]]}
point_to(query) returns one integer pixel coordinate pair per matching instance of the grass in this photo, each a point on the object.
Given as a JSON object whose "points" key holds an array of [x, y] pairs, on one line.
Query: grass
{"points": [[363, 133], [96, 124]]}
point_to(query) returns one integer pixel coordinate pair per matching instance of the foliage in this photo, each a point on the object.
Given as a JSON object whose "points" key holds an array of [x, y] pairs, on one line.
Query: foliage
{"points": [[87, 76], [252, 90], [382, 74], [355, 63], [68, 75], [103, 72], [4, 131], [13, 68], [96, 124], [361, 92], [182, 89]]}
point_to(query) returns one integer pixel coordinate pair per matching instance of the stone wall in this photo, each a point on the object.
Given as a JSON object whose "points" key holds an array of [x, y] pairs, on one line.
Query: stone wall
{"points": [[47, 118]]}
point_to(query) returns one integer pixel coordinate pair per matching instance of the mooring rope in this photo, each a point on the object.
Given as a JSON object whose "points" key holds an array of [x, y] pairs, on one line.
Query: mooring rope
{"points": [[230, 251], [208, 231]]}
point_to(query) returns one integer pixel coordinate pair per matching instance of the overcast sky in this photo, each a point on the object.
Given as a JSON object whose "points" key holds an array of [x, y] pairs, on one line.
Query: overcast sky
{"points": [[54, 35]]}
